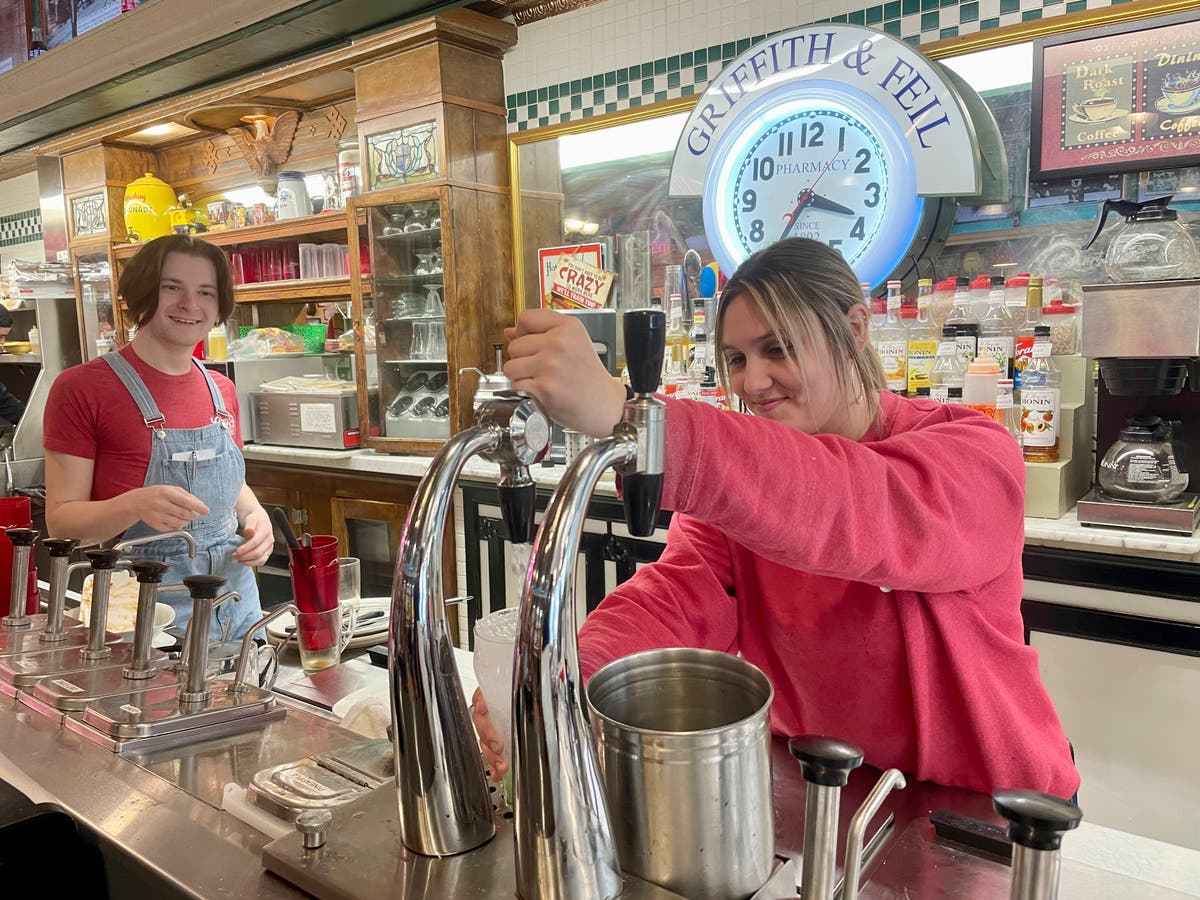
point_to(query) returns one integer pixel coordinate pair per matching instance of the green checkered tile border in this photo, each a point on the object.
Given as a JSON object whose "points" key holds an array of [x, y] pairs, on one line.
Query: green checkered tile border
{"points": [[20, 228], [915, 21]]}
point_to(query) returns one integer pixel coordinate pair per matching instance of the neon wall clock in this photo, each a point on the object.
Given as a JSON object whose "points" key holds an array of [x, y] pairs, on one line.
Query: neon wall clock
{"points": [[833, 132]]}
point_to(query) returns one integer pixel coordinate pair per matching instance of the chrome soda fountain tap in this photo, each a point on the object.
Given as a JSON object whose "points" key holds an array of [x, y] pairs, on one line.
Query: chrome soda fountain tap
{"points": [[240, 684], [565, 849], [22, 545], [60, 550], [445, 806], [1036, 824]]}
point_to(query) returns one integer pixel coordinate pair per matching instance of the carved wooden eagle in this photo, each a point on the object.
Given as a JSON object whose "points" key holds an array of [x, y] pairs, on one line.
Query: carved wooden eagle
{"points": [[269, 146]]}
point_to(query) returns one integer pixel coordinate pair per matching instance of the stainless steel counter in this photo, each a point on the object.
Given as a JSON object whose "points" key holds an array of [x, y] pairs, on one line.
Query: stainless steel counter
{"points": [[162, 810]]}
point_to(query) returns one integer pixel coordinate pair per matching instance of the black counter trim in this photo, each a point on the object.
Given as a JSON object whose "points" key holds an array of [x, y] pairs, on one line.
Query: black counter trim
{"points": [[1111, 628], [1138, 575]]}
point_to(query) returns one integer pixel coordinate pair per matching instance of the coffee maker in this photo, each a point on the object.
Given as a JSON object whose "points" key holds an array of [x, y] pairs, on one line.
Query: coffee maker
{"points": [[1145, 337]]}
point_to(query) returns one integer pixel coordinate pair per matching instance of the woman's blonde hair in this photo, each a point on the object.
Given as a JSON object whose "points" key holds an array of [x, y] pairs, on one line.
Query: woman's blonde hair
{"points": [[804, 289]]}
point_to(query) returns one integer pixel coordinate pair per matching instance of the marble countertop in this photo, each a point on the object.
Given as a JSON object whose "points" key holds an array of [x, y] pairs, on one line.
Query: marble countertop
{"points": [[1066, 532]]}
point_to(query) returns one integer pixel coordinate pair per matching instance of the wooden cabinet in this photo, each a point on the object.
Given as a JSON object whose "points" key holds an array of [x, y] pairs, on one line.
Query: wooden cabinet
{"points": [[431, 313]]}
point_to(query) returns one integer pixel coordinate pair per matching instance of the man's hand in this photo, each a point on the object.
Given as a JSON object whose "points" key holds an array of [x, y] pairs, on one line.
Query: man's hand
{"points": [[258, 538], [164, 507]]}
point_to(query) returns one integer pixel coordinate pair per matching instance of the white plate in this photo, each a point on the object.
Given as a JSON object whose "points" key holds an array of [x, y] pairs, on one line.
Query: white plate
{"points": [[373, 632]]}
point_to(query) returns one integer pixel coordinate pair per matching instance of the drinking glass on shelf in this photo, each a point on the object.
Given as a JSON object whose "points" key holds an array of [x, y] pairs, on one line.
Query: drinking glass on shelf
{"points": [[395, 223], [424, 264], [436, 348], [433, 300], [418, 220], [420, 341]]}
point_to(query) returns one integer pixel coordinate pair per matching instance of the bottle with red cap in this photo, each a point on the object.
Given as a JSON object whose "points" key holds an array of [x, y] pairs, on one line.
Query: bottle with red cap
{"points": [[980, 292]]}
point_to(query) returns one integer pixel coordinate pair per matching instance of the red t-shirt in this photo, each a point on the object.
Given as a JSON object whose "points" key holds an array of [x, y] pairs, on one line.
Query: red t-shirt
{"points": [[91, 414]]}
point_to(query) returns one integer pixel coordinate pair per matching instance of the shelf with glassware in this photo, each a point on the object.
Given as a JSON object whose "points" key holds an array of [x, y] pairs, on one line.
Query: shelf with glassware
{"points": [[436, 299], [91, 269], [407, 305]]}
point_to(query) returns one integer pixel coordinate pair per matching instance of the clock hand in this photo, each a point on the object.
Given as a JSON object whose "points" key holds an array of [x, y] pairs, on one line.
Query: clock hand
{"points": [[819, 202], [803, 199]]}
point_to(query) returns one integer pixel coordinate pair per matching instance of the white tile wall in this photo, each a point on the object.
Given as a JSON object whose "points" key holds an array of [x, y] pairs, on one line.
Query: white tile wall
{"points": [[20, 196], [617, 34]]}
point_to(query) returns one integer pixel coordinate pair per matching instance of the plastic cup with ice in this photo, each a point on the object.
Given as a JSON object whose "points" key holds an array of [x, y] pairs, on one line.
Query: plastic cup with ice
{"points": [[495, 643]]}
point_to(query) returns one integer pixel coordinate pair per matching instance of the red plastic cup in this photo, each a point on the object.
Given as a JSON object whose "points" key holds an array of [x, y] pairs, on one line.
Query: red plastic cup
{"points": [[15, 512], [314, 571]]}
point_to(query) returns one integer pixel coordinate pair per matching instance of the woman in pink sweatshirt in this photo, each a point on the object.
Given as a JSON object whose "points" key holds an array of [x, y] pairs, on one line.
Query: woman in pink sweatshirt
{"points": [[862, 549]]}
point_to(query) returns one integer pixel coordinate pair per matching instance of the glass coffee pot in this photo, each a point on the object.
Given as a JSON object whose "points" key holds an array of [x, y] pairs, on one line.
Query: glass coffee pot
{"points": [[1150, 245], [1146, 462]]}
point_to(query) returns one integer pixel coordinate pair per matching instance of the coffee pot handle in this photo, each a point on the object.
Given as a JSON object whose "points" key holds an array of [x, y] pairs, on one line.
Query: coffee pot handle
{"points": [[1180, 446], [1121, 207]]}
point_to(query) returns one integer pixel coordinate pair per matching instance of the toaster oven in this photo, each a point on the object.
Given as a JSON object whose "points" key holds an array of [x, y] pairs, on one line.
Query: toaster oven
{"points": [[297, 419]]}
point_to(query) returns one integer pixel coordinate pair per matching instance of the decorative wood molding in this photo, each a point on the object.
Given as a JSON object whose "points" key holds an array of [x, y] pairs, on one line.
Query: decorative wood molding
{"points": [[525, 11]]}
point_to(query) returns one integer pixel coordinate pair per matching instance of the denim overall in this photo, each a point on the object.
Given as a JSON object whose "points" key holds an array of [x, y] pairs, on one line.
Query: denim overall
{"points": [[207, 463]]}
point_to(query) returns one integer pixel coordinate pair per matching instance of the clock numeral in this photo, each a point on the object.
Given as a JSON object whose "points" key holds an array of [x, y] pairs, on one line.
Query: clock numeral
{"points": [[873, 190], [858, 231], [764, 169], [812, 134], [841, 139], [749, 201], [785, 143], [835, 243], [756, 230], [864, 161]]}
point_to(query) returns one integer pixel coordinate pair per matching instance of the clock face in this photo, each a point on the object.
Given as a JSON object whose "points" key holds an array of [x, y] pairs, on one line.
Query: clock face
{"points": [[811, 167]]}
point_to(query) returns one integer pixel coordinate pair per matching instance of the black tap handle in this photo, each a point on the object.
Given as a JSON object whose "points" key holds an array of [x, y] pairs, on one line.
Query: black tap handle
{"points": [[149, 571], [204, 587], [825, 760], [103, 559], [645, 338], [1036, 820], [517, 505], [21, 537], [641, 495], [60, 546]]}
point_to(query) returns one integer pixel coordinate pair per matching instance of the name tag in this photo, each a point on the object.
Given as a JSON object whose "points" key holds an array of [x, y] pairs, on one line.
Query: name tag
{"points": [[194, 455]]}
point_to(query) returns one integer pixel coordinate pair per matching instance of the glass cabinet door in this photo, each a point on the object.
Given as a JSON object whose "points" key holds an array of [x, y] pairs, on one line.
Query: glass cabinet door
{"points": [[100, 323], [407, 305]]}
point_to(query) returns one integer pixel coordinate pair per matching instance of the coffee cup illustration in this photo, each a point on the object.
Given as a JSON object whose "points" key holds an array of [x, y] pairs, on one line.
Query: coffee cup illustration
{"points": [[1096, 109], [1181, 90]]}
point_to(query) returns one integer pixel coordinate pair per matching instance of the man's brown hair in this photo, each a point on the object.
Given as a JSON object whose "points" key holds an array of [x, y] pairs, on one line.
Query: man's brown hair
{"points": [[142, 275]]}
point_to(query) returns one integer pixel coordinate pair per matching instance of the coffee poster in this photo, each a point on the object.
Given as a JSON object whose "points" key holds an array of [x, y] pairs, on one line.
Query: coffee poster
{"points": [[1118, 99]]}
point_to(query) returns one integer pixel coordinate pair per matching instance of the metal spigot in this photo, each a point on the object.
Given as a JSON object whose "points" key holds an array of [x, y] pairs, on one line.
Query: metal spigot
{"points": [[239, 676], [122, 546], [22, 545], [60, 550], [445, 806], [102, 563], [149, 573], [826, 764], [1036, 824], [565, 849], [206, 597]]}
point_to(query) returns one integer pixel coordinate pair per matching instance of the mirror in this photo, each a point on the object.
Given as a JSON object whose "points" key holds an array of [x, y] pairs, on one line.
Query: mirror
{"points": [[603, 181]]}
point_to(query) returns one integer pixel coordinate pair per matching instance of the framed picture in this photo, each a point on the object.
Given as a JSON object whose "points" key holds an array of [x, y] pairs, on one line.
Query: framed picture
{"points": [[1117, 99]]}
